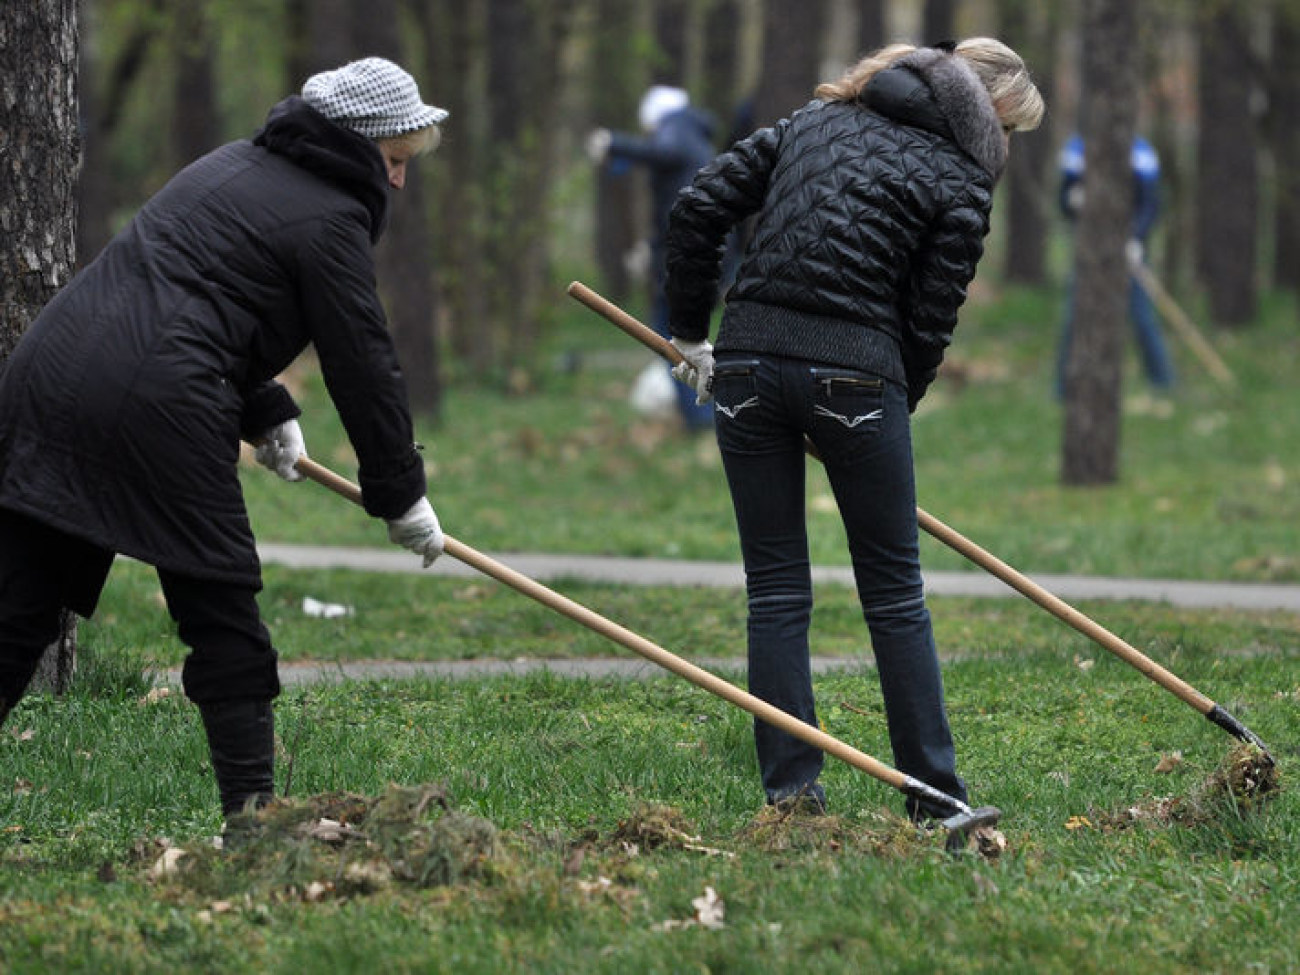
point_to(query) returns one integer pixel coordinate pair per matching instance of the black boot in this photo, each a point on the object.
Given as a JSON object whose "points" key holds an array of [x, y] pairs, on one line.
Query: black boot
{"points": [[241, 738]]}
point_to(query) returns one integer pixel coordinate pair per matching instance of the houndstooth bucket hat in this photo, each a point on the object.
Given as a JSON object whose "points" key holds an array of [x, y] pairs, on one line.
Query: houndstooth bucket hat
{"points": [[372, 97]]}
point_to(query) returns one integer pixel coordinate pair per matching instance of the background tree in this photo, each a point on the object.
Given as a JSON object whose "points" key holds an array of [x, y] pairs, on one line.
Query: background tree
{"points": [[1109, 73], [791, 62], [1284, 141], [938, 21], [194, 128], [1227, 163], [617, 82], [38, 173], [1031, 29], [871, 26]]}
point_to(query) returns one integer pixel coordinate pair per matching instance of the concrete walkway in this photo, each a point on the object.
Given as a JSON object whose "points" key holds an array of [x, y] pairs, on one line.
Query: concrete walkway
{"points": [[664, 572], [670, 572]]}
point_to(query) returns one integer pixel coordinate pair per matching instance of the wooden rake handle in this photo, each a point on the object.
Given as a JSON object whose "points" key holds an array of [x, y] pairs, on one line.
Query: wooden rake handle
{"points": [[950, 537], [655, 654]]}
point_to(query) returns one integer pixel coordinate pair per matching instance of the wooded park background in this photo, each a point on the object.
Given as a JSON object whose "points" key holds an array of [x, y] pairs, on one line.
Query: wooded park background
{"points": [[510, 206]]}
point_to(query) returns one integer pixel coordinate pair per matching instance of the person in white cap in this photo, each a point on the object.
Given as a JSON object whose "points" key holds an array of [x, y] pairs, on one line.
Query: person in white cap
{"points": [[677, 141], [123, 405]]}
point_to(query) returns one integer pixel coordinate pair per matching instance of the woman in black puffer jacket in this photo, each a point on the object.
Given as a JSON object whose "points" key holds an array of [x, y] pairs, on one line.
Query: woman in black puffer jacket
{"points": [[123, 405], [871, 204]]}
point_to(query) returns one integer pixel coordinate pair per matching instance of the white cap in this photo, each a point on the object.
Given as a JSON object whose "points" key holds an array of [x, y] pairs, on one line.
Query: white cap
{"points": [[659, 101]]}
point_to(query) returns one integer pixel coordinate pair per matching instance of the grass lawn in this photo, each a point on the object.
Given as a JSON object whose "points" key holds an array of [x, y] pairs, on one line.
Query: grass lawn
{"points": [[533, 824]]}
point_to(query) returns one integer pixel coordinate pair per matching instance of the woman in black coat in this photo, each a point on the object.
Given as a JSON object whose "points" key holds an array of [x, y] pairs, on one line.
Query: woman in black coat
{"points": [[123, 405], [871, 204]]}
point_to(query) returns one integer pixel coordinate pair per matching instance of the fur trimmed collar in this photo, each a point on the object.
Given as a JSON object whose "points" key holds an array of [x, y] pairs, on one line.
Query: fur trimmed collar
{"points": [[953, 98]]}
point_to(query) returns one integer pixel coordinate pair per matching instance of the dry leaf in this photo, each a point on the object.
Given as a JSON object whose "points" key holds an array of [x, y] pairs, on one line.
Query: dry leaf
{"points": [[989, 842], [1078, 822], [1168, 763], [709, 909], [156, 695], [168, 864]]}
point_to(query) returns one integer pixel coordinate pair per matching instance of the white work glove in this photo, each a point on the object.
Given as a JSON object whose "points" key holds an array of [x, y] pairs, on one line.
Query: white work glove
{"points": [[696, 369], [279, 449], [1074, 199], [1133, 252], [419, 531], [598, 145]]}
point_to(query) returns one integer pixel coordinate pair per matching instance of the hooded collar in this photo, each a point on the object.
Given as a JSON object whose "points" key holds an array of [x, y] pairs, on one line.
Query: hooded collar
{"points": [[940, 92], [304, 136]]}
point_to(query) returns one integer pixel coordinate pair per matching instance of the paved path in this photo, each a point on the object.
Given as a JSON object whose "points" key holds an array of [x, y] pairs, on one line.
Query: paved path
{"points": [[671, 572], [661, 572]]}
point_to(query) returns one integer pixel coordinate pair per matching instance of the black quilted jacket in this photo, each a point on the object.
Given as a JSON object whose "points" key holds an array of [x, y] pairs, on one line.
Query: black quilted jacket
{"points": [[122, 407], [871, 218]]}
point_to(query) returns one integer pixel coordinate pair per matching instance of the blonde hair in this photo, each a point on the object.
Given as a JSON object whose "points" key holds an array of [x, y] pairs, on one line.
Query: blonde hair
{"points": [[417, 143], [1001, 70]]}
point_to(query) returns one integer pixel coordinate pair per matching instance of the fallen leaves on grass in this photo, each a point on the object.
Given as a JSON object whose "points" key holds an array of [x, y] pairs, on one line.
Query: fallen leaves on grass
{"points": [[338, 845], [1243, 782], [709, 913], [653, 825]]}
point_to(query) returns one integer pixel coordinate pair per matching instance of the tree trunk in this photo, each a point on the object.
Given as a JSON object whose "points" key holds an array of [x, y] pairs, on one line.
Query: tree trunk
{"points": [[1090, 454], [194, 111], [456, 39], [938, 21], [104, 94], [871, 26], [616, 84], [671, 18], [404, 257], [1227, 167], [792, 34], [1030, 29], [525, 44], [38, 174], [1284, 140]]}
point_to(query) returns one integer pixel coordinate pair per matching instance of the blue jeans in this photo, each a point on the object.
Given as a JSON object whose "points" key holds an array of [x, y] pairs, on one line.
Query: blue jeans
{"points": [[1156, 363], [764, 407]]}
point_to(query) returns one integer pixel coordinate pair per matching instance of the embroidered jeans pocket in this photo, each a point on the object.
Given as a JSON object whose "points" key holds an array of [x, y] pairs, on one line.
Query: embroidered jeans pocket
{"points": [[735, 388], [851, 400]]}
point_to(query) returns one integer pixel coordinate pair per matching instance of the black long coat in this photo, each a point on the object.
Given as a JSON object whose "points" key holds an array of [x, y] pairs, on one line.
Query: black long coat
{"points": [[123, 405]]}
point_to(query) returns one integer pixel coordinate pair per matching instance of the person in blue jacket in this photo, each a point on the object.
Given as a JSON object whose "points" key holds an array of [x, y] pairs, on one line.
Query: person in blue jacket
{"points": [[1145, 164], [677, 141]]}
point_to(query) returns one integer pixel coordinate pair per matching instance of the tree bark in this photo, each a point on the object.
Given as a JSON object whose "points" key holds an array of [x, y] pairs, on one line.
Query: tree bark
{"points": [[1030, 29], [1090, 454], [194, 126], [1284, 140], [1228, 170], [792, 34], [616, 83], [39, 158], [938, 21], [871, 26], [404, 257]]}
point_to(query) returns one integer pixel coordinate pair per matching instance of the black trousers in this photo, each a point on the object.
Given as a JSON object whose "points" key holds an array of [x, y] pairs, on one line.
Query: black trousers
{"points": [[44, 571]]}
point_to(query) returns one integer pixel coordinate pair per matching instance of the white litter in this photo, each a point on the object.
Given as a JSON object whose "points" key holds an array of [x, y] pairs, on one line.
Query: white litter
{"points": [[329, 611]]}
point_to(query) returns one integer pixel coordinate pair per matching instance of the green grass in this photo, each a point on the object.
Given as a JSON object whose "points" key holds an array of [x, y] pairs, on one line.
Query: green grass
{"points": [[1056, 732], [560, 765]]}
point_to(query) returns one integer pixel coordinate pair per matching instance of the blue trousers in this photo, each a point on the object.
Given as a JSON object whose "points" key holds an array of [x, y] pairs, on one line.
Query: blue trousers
{"points": [[1156, 363], [764, 408]]}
